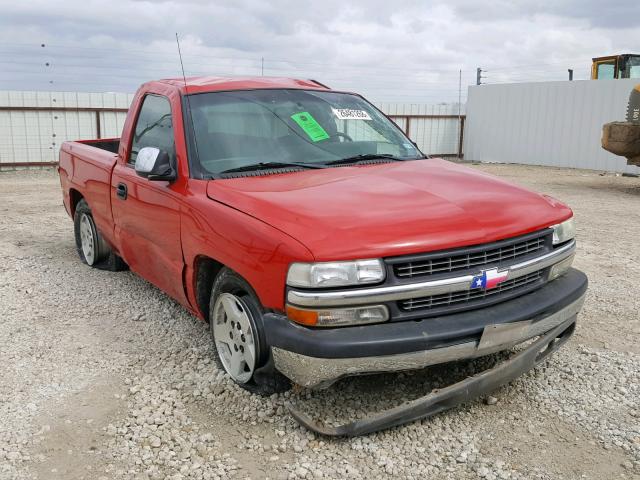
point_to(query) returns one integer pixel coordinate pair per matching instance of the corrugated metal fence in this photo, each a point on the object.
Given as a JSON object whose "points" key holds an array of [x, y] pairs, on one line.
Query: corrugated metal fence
{"points": [[33, 125], [437, 129], [546, 123]]}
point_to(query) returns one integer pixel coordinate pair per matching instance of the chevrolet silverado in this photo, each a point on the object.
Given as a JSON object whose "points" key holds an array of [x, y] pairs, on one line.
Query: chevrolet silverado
{"points": [[318, 242]]}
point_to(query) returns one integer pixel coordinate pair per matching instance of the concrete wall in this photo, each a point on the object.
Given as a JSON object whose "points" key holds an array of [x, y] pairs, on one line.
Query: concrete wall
{"points": [[547, 123]]}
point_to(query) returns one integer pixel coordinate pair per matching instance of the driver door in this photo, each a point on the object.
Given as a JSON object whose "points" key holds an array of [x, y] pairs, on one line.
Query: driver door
{"points": [[147, 213]]}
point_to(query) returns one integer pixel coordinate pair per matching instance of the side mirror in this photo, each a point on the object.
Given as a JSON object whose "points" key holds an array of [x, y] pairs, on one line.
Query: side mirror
{"points": [[154, 164]]}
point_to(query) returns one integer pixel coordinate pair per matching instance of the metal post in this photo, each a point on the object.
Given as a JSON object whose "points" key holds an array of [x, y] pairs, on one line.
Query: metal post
{"points": [[98, 126], [459, 112], [478, 76], [570, 70], [461, 137]]}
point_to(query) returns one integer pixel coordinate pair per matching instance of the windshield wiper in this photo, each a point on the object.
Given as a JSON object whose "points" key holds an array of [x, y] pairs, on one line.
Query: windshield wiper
{"points": [[362, 157], [269, 165]]}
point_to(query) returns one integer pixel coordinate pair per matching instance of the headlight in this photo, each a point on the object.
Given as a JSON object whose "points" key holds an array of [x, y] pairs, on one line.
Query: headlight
{"points": [[564, 231], [335, 274], [338, 317]]}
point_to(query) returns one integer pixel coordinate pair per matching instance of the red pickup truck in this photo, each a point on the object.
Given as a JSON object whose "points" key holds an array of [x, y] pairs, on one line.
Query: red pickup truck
{"points": [[319, 242]]}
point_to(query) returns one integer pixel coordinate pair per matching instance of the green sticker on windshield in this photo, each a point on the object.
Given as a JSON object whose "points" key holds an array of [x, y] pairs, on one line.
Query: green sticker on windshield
{"points": [[310, 126]]}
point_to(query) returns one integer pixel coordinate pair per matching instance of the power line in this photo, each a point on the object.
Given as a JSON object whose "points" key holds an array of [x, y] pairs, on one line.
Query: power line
{"points": [[130, 86], [123, 79], [58, 67], [51, 70], [256, 60], [559, 62], [105, 66]]}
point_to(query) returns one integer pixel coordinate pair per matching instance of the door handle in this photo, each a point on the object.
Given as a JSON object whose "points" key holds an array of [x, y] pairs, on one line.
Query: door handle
{"points": [[121, 191]]}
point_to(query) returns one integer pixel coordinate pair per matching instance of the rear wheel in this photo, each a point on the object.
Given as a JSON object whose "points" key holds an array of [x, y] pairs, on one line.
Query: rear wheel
{"points": [[235, 323], [91, 247]]}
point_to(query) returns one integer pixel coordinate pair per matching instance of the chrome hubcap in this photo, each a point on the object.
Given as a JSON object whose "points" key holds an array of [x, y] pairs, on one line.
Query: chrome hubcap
{"points": [[87, 239], [234, 337]]}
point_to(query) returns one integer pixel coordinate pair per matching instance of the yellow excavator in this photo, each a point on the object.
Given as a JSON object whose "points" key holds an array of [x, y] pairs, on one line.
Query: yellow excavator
{"points": [[623, 138], [610, 67]]}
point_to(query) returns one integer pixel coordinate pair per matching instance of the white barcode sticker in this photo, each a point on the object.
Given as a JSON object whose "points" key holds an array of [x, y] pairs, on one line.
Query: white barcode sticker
{"points": [[350, 114]]}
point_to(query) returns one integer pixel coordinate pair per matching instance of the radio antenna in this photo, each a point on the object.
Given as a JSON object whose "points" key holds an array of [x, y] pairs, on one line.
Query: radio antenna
{"points": [[181, 63], [188, 104]]}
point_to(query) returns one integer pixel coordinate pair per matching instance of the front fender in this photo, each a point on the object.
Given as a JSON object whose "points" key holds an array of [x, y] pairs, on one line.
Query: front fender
{"points": [[258, 252]]}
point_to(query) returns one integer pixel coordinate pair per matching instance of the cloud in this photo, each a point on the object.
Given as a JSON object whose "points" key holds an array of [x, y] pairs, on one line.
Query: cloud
{"points": [[409, 51], [614, 14]]}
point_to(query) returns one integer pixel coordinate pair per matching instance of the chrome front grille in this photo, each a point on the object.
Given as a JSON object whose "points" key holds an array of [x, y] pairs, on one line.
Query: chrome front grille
{"points": [[527, 263], [474, 258], [471, 298]]}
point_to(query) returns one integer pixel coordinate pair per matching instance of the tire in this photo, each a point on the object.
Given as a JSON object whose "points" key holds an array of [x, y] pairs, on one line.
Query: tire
{"points": [[91, 246], [113, 263], [237, 334]]}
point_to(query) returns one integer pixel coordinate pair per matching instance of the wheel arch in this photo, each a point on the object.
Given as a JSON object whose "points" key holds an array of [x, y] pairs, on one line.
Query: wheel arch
{"points": [[206, 270], [74, 198]]}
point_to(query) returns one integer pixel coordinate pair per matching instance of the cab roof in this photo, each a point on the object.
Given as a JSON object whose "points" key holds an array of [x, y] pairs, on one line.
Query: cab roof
{"points": [[215, 84]]}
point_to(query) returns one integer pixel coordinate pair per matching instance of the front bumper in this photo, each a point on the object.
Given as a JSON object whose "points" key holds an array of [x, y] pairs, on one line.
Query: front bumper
{"points": [[316, 358], [448, 397]]}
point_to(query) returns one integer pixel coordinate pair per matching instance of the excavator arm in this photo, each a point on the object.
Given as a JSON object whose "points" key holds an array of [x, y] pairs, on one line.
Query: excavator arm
{"points": [[623, 138]]}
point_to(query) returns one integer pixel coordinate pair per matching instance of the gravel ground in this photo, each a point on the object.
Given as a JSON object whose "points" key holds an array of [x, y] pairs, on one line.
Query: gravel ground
{"points": [[103, 376]]}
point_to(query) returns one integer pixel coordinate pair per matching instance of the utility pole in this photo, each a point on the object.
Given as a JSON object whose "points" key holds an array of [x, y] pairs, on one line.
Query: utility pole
{"points": [[478, 76], [570, 70], [459, 91], [262, 67], [54, 151]]}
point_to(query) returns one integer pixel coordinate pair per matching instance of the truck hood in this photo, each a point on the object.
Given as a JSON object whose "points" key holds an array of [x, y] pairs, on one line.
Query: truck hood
{"points": [[389, 209]]}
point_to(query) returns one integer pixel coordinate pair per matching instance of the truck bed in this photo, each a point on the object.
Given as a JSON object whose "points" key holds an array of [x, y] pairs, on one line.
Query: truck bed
{"points": [[108, 144], [85, 171]]}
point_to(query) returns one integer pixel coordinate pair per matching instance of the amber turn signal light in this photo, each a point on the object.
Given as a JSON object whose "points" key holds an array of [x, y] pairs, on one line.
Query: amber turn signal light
{"points": [[303, 317], [338, 317]]}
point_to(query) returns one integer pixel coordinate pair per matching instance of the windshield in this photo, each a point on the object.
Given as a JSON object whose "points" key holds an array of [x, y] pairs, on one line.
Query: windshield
{"points": [[633, 66], [243, 128]]}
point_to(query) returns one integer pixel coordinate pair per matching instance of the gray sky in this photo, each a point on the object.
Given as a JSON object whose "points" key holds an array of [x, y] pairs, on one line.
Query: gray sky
{"points": [[402, 50]]}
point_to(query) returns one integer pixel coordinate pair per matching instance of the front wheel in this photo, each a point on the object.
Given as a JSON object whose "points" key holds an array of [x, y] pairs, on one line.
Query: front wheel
{"points": [[235, 323], [234, 336]]}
